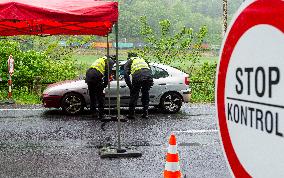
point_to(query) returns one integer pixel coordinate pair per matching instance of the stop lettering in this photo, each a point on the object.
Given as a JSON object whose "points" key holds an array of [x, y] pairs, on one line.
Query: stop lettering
{"points": [[259, 80]]}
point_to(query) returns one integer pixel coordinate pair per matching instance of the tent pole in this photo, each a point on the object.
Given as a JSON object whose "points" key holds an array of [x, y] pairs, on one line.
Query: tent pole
{"points": [[108, 74], [117, 87], [118, 152]]}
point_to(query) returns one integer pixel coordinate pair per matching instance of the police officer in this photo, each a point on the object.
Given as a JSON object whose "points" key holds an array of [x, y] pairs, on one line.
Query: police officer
{"points": [[141, 80], [97, 79]]}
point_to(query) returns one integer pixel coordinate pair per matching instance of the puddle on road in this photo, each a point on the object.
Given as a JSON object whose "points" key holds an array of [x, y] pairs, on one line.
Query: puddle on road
{"points": [[6, 117], [141, 143], [109, 143], [195, 115], [190, 144]]}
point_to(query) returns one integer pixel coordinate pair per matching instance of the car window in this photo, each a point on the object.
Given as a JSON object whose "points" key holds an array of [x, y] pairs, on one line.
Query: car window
{"points": [[121, 73], [158, 72]]}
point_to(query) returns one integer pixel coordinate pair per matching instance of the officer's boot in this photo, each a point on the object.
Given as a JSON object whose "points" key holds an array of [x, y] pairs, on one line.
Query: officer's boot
{"points": [[101, 114], [131, 114], [94, 113], [145, 113]]}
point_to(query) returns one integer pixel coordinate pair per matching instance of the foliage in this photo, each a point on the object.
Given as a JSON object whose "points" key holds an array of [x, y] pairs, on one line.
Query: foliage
{"points": [[203, 83], [189, 13], [169, 47], [25, 96], [31, 64], [3, 94], [22, 95]]}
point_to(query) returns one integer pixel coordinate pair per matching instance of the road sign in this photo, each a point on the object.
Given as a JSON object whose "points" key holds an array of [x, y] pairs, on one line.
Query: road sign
{"points": [[249, 92], [11, 65]]}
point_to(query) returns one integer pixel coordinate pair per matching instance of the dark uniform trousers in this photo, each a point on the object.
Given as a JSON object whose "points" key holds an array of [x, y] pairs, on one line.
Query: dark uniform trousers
{"points": [[96, 88], [137, 85]]}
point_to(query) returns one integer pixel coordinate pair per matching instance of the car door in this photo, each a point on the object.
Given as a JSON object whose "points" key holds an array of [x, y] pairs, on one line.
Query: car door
{"points": [[124, 99], [160, 84]]}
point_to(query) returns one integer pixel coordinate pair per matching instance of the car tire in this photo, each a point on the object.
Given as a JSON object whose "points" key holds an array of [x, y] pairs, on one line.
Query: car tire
{"points": [[171, 103], [72, 104]]}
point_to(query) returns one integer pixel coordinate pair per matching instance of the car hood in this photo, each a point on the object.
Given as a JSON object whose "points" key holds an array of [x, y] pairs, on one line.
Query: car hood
{"points": [[66, 85]]}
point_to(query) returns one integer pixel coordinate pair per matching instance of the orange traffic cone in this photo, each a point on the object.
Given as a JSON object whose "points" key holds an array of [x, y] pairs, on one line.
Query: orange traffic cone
{"points": [[172, 168]]}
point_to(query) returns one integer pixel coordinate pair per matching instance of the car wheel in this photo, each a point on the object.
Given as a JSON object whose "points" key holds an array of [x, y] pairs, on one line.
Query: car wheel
{"points": [[171, 103], [72, 103]]}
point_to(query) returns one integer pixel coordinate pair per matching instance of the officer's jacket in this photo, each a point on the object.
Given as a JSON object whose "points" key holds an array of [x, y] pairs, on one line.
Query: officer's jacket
{"points": [[98, 71], [138, 68], [100, 65]]}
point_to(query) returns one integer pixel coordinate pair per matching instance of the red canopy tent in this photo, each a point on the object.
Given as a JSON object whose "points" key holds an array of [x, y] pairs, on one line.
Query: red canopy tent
{"points": [[57, 17]]}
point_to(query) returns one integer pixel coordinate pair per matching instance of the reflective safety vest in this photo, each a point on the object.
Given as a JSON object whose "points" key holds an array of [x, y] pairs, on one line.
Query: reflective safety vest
{"points": [[137, 64], [100, 65]]}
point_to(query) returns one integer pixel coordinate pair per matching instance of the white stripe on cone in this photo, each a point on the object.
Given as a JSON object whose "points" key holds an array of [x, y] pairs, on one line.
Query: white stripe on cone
{"points": [[172, 149], [172, 166]]}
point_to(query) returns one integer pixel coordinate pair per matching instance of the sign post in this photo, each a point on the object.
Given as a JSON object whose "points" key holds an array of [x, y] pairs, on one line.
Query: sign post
{"points": [[249, 90], [11, 65]]}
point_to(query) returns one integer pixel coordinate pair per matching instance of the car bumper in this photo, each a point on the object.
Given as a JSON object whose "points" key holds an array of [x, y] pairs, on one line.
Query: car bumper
{"points": [[186, 95], [51, 101]]}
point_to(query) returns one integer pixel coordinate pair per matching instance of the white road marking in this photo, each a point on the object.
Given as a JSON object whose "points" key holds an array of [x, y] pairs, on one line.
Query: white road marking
{"points": [[197, 131]]}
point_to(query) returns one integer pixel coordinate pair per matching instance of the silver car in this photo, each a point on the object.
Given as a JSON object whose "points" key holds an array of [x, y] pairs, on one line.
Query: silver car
{"points": [[170, 90]]}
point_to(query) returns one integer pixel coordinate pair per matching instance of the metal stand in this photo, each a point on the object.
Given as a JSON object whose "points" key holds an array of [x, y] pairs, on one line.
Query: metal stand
{"points": [[108, 117], [117, 152], [112, 152]]}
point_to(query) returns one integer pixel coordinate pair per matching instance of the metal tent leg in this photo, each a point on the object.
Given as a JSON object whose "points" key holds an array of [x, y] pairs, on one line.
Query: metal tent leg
{"points": [[108, 118], [113, 152]]}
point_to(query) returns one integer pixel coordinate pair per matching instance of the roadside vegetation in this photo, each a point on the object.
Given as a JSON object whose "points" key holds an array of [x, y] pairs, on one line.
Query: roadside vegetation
{"points": [[34, 69]]}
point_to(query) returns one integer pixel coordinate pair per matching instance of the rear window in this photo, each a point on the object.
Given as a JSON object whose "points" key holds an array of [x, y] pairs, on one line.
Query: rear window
{"points": [[158, 72]]}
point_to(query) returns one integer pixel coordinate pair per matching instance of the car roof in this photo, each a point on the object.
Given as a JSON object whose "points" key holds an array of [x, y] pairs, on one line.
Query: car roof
{"points": [[152, 63], [169, 69]]}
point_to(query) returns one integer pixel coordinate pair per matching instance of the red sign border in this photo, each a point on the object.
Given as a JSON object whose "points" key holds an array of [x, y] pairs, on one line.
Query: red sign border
{"points": [[269, 12]]}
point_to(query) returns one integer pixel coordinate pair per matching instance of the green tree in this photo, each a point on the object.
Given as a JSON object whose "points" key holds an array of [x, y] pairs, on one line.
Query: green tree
{"points": [[192, 13], [167, 47]]}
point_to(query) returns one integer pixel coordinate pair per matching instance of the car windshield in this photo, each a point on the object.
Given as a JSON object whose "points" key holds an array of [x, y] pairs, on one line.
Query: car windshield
{"points": [[121, 72]]}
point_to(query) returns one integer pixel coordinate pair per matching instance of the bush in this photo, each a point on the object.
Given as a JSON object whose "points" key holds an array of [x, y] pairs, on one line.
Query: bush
{"points": [[203, 83], [25, 96], [29, 65]]}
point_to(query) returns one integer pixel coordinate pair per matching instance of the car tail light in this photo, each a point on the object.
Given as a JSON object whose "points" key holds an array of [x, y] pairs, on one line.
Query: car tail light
{"points": [[186, 80], [44, 95]]}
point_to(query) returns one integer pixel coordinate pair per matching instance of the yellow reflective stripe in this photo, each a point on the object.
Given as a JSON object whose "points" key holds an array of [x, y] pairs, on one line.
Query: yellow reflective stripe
{"points": [[99, 64], [138, 64]]}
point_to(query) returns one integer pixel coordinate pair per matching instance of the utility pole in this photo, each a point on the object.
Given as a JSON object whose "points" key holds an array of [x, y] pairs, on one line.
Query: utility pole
{"points": [[225, 16]]}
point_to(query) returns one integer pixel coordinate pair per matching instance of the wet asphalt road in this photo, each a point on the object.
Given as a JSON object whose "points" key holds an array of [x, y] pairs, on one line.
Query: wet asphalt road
{"points": [[38, 142]]}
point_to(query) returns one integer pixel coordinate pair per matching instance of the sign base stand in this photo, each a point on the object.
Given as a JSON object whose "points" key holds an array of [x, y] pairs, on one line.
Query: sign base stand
{"points": [[112, 152]]}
